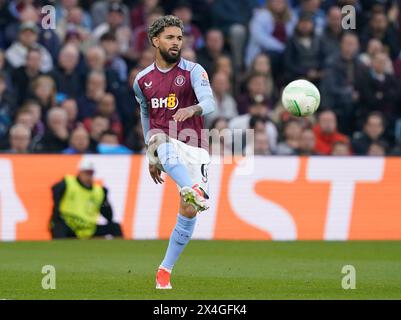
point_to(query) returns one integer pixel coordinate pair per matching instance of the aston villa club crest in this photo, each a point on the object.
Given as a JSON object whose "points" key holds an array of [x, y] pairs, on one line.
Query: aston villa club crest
{"points": [[179, 80]]}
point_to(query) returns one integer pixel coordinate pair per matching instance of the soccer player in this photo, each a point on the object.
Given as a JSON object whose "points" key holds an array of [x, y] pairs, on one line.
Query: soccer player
{"points": [[174, 94]]}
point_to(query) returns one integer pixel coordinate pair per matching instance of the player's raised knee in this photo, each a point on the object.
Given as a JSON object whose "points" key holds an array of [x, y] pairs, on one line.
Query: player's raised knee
{"points": [[158, 139], [154, 142]]}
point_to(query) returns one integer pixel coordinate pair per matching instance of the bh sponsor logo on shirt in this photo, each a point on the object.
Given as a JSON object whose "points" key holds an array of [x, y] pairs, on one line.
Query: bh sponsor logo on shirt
{"points": [[169, 102]]}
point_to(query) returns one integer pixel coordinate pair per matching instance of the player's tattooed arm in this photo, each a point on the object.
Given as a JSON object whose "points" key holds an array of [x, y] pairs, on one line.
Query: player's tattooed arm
{"points": [[186, 113], [198, 110]]}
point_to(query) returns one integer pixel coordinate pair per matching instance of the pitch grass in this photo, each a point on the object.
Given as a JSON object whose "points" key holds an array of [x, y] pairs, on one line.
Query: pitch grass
{"points": [[118, 269]]}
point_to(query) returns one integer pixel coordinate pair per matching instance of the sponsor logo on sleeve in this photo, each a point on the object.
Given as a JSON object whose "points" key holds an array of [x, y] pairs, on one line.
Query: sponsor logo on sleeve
{"points": [[205, 80]]}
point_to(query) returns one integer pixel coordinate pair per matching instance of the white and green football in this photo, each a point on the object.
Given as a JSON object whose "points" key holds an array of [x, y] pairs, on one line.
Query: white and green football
{"points": [[301, 98]]}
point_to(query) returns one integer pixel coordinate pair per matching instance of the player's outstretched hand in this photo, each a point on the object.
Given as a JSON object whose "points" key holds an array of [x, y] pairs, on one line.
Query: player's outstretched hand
{"points": [[183, 114], [155, 173]]}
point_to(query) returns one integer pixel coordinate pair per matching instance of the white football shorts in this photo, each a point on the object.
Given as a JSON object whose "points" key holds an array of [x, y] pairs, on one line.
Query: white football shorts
{"points": [[195, 159]]}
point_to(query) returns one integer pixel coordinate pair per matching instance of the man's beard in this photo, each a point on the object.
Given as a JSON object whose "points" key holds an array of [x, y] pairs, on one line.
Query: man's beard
{"points": [[169, 58]]}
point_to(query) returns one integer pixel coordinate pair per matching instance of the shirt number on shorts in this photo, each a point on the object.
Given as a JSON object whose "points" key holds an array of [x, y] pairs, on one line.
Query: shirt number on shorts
{"points": [[204, 172]]}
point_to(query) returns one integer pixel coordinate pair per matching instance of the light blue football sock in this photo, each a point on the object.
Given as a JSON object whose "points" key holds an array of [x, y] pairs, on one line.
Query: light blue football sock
{"points": [[179, 238], [172, 165]]}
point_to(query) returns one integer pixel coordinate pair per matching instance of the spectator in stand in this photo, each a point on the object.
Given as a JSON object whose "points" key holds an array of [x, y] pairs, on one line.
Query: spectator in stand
{"points": [[260, 145], [326, 132], [303, 55], [261, 65], [108, 144], [146, 58], [243, 122], [220, 124], [96, 61], [140, 40], [224, 64], [43, 90], [74, 20], [141, 11], [340, 148], [188, 54], [373, 131], [28, 38], [257, 123], [48, 37], [379, 91], [387, 6], [55, 138], [25, 117], [79, 142], [291, 138], [396, 151], [134, 140], [95, 91], [340, 84], [133, 109], [65, 6], [107, 109], [73, 37], [28, 13], [379, 28], [115, 24], [192, 34], [256, 93], [214, 45], [270, 28], [99, 11], [375, 46], [318, 15], [7, 107], [20, 139], [71, 107], [332, 33], [132, 75], [23, 76], [4, 69], [109, 43], [232, 18], [377, 149], [226, 106], [307, 143], [220, 139], [98, 125], [37, 126], [358, 8], [95, 58], [68, 78]]}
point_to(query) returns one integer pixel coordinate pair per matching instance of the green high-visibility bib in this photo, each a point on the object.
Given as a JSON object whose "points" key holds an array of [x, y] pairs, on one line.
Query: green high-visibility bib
{"points": [[80, 207]]}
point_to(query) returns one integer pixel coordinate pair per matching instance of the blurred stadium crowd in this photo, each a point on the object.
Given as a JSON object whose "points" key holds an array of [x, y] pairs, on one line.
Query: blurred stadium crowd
{"points": [[69, 90]]}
